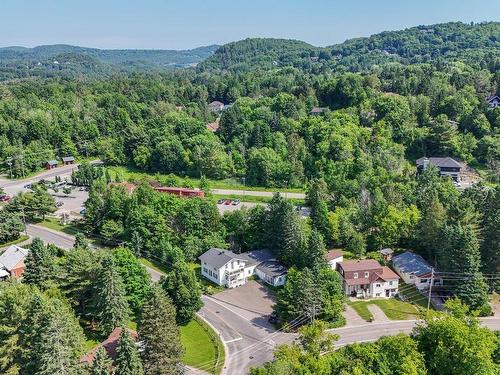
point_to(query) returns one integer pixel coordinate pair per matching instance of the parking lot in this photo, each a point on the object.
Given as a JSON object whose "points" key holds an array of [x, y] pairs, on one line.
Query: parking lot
{"points": [[252, 301]]}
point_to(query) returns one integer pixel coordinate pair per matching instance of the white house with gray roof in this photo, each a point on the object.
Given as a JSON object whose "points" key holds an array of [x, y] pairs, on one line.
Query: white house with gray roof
{"points": [[414, 269], [225, 268]]}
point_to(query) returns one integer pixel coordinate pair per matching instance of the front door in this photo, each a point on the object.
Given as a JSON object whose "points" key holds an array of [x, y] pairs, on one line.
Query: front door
{"points": [[387, 292]]}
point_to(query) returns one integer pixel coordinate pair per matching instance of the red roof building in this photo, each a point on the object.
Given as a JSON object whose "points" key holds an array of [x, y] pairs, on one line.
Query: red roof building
{"points": [[367, 278], [110, 345]]}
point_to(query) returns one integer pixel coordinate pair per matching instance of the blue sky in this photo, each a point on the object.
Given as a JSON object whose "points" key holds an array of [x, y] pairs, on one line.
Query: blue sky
{"points": [[184, 24]]}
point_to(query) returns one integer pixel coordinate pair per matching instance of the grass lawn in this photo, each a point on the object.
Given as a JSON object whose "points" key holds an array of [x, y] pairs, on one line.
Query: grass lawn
{"points": [[154, 265], [53, 223], [411, 294], [203, 349], [132, 174], [19, 240], [393, 308]]}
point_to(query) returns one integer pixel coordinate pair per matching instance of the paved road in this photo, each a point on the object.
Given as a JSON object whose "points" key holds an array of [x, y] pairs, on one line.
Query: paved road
{"points": [[66, 241]]}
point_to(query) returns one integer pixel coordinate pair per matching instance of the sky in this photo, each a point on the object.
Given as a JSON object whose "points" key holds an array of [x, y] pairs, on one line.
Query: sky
{"points": [[184, 24]]}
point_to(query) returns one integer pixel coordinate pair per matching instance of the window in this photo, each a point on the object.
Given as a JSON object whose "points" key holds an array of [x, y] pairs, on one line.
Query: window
{"points": [[249, 271], [355, 275], [390, 282], [377, 285], [424, 280], [205, 270], [412, 277], [377, 295], [367, 274], [238, 262]]}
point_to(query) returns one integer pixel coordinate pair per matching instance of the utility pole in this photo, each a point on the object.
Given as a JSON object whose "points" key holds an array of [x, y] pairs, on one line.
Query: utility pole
{"points": [[430, 290], [24, 221]]}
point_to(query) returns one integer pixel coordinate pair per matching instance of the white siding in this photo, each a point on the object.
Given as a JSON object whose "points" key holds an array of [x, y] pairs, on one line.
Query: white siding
{"points": [[333, 262]]}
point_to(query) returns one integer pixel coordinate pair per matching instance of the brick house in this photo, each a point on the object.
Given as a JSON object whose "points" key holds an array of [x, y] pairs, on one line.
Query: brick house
{"points": [[12, 262], [367, 278], [51, 164]]}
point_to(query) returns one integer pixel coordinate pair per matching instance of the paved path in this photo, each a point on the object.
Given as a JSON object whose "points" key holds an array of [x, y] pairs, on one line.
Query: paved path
{"points": [[377, 313], [352, 318]]}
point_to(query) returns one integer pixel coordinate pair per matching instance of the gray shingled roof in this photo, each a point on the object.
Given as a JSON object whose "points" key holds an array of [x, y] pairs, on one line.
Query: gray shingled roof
{"points": [[12, 256], [52, 162], [219, 257], [68, 158], [266, 262], [409, 262], [446, 162]]}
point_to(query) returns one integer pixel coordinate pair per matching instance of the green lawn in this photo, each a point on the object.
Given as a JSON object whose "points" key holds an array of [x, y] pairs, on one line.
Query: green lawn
{"points": [[132, 174], [21, 238], [255, 199], [411, 294], [55, 224], [203, 348], [154, 265], [393, 308], [207, 286]]}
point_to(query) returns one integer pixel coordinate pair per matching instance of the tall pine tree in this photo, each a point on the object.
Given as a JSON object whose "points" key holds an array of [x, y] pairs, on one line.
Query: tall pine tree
{"points": [[160, 335], [316, 200], [128, 361], [183, 289], [110, 301], [101, 364], [39, 265]]}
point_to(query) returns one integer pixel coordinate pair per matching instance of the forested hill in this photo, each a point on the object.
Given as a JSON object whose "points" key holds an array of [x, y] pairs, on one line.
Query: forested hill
{"points": [[473, 43], [68, 61]]}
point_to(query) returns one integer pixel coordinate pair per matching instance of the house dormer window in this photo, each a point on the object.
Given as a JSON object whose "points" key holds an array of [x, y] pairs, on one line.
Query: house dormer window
{"points": [[355, 275], [367, 274]]}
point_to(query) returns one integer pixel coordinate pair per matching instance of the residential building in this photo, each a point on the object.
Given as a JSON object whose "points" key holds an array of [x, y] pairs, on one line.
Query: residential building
{"points": [[414, 269], [68, 160], [316, 111], [225, 268], [493, 101], [267, 267], [181, 192], [213, 126], [387, 254], [446, 166], [110, 345], [51, 164], [216, 106], [333, 257], [12, 262], [367, 278]]}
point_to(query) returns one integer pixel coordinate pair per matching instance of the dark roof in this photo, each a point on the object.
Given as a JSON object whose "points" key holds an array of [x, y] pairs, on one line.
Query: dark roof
{"points": [[333, 254], [266, 262], [216, 103], [219, 257], [492, 97], [52, 162], [68, 158], [409, 262], [446, 162]]}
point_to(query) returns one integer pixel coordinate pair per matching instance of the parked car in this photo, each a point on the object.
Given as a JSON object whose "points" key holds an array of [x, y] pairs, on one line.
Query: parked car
{"points": [[82, 211], [220, 201], [59, 204], [5, 198], [236, 202], [27, 186], [273, 318], [227, 202]]}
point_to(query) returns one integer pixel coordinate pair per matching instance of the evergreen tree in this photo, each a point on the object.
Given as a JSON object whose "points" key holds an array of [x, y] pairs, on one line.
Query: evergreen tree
{"points": [[110, 304], [101, 364], [39, 265], [160, 335], [316, 200], [128, 361], [81, 242], [460, 254], [182, 287], [60, 342], [314, 256]]}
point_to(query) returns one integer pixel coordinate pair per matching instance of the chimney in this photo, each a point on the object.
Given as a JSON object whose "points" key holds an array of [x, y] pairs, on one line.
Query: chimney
{"points": [[425, 163]]}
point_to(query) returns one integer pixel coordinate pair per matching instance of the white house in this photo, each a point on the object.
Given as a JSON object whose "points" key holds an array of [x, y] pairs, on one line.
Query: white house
{"points": [[12, 262], [367, 278], [414, 269], [225, 268], [333, 257]]}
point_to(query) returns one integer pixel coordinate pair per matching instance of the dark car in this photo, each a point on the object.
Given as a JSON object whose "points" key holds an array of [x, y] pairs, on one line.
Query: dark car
{"points": [[220, 201], [59, 204], [5, 198], [27, 186], [273, 318]]}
